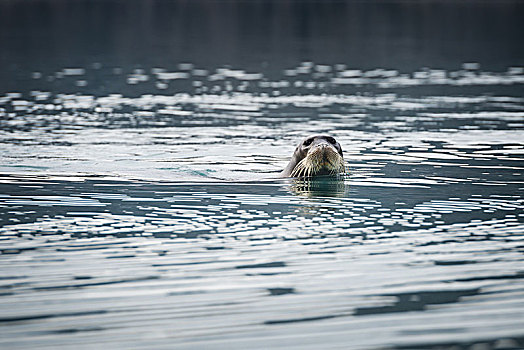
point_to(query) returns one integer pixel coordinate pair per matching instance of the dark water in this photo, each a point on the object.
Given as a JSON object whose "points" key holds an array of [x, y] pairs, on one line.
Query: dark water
{"points": [[139, 144]]}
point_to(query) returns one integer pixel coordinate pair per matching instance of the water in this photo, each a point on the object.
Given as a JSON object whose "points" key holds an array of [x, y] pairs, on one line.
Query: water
{"points": [[140, 204]]}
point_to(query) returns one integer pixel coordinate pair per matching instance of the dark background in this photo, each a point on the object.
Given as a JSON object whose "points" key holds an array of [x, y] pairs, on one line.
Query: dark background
{"points": [[46, 35]]}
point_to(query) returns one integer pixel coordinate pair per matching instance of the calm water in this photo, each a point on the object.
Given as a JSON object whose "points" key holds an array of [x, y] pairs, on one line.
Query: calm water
{"points": [[139, 204]]}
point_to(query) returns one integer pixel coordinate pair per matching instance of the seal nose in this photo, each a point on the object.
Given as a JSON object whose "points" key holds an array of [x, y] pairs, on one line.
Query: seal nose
{"points": [[323, 144], [324, 150], [325, 147]]}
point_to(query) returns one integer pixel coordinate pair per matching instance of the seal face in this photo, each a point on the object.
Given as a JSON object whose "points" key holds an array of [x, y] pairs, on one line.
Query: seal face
{"points": [[316, 155]]}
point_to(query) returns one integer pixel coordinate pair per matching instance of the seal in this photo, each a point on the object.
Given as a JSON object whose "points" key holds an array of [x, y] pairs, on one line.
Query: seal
{"points": [[316, 155]]}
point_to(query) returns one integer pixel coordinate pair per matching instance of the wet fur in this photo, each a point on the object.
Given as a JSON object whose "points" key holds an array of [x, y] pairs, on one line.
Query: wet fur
{"points": [[321, 157]]}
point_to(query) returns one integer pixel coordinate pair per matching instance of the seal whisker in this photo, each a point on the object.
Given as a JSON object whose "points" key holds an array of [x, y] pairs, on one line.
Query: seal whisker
{"points": [[301, 169], [316, 155]]}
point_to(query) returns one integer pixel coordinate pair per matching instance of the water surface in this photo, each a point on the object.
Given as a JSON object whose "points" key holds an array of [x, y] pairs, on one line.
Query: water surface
{"points": [[140, 206]]}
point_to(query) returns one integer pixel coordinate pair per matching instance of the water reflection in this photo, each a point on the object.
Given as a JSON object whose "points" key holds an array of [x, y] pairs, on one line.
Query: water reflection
{"points": [[321, 186], [138, 201], [397, 36]]}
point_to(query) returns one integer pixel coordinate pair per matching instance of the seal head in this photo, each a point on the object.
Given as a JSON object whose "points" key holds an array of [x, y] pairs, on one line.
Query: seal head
{"points": [[316, 155]]}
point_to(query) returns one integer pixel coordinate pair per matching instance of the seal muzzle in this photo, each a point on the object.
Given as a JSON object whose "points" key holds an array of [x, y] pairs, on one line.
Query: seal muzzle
{"points": [[316, 155], [321, 159]]}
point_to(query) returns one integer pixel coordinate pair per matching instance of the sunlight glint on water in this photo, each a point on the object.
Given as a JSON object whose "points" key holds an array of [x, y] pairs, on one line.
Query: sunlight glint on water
{"points": [[183, 224], [141, 206]]}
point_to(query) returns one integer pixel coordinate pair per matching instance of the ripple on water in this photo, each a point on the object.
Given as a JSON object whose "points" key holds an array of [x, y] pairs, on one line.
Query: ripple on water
{"points": [[124, 213], [253, 262]]}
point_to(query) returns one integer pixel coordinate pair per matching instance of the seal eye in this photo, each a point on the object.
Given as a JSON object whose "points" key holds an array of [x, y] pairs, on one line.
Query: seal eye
{"points": [[308, 142], [331, 140]]}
